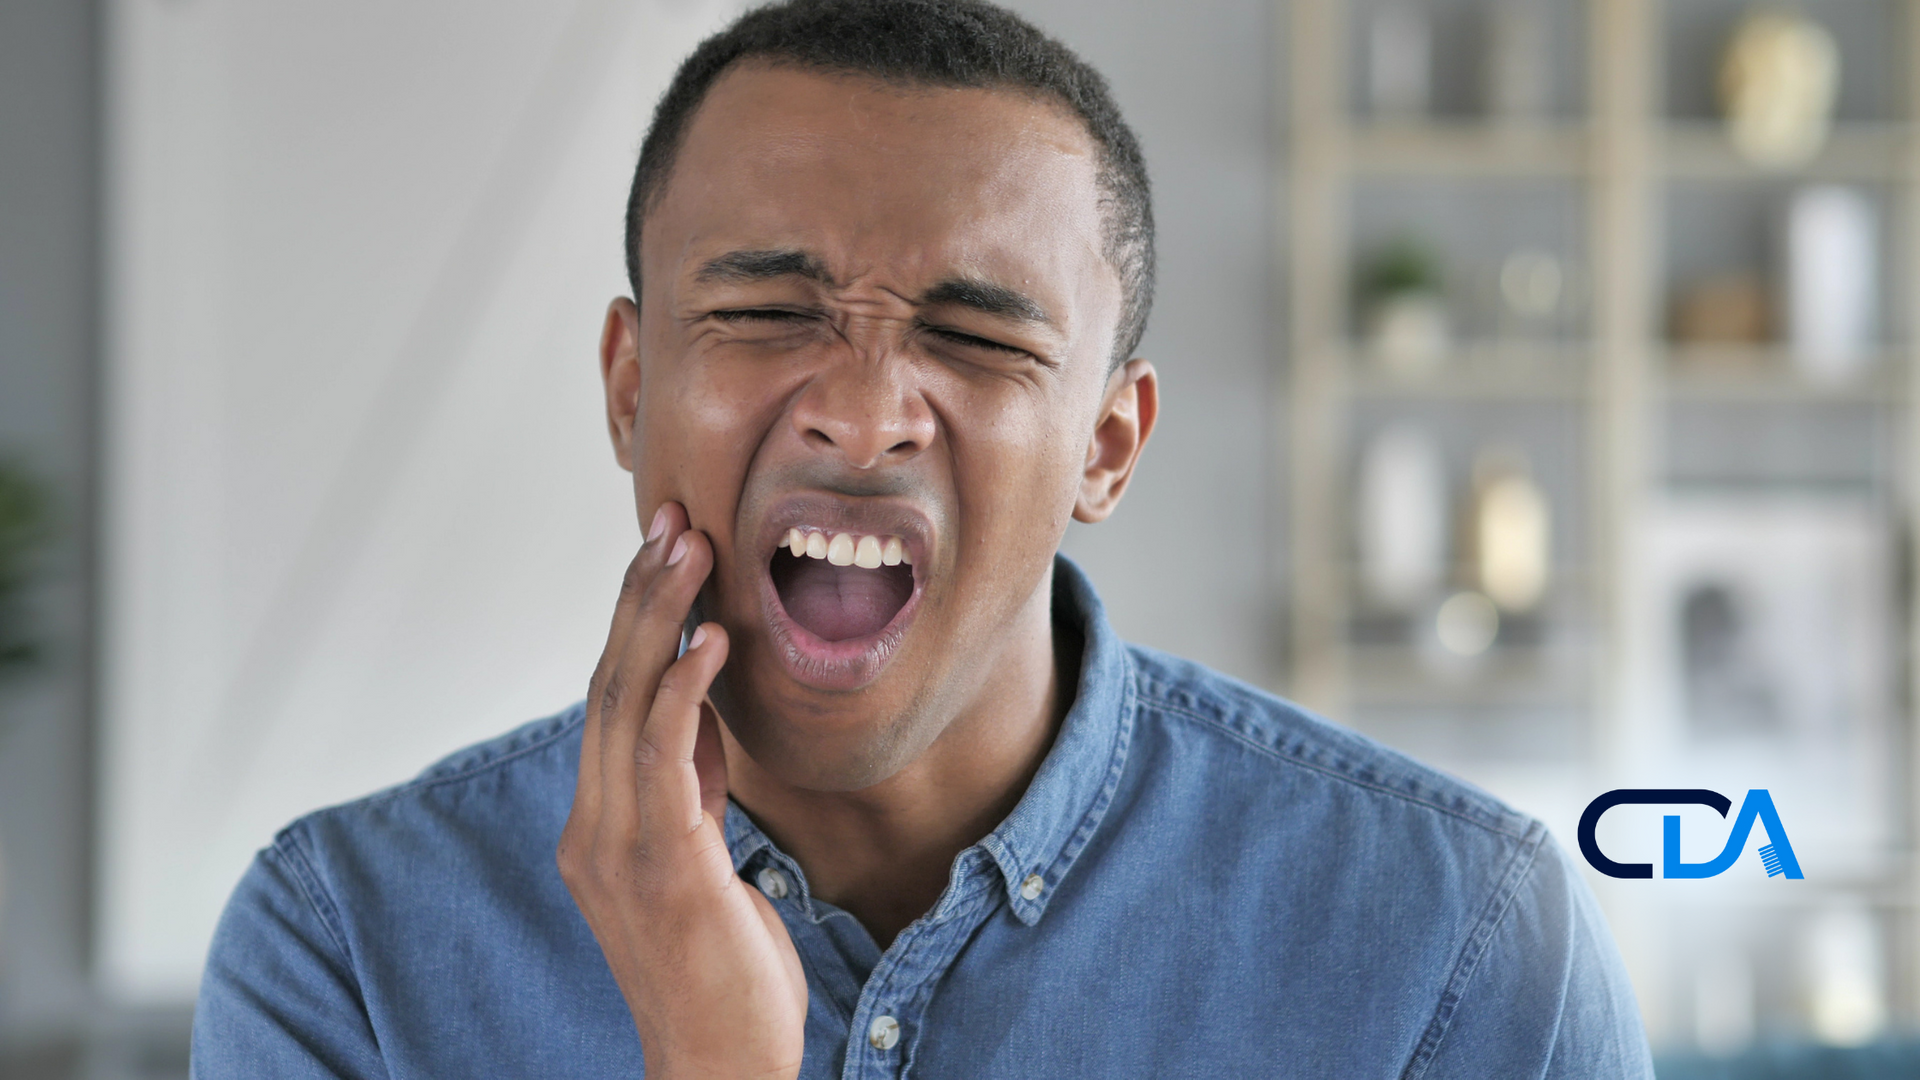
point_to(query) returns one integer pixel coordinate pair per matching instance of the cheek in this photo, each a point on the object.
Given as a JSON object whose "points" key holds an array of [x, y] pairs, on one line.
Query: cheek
{"points": [[1017, 458], [700, 426]]}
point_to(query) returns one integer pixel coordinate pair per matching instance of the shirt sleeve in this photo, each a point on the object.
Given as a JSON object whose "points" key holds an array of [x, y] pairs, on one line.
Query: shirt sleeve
{"points": [[279, 996], [1547, 998]]}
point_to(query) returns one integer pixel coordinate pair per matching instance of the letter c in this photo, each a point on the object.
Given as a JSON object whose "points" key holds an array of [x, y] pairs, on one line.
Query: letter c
{"points": [[1658, 796]]}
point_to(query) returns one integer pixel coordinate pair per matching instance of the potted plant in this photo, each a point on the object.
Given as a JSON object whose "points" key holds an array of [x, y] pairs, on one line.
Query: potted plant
{"points": [[1405, 308], [23, 524]]}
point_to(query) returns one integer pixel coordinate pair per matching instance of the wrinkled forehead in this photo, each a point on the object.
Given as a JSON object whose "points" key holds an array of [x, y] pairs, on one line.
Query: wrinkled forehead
{"points": [[914, 182]]}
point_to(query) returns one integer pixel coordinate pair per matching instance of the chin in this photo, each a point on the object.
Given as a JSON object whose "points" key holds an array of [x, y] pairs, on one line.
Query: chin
{"points": [[837, 743]]}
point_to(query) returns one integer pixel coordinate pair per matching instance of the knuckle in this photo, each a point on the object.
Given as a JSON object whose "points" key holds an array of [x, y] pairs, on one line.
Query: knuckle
{"points": [[647, 752], [575, 862], [613, 693], [677, 684], [635, 579], [601, 866]]}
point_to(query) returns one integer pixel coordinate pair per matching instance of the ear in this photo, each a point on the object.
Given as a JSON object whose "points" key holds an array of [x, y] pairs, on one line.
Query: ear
{"points": [[620, 375], [1127, 416]]}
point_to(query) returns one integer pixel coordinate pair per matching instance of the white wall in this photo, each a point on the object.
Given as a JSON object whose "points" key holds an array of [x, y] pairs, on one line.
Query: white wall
{"points": [[361, 509], [1190, 563]]}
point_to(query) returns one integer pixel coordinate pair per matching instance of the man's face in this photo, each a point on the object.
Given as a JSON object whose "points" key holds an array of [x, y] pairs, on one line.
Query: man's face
{"points": [[874, 320]]}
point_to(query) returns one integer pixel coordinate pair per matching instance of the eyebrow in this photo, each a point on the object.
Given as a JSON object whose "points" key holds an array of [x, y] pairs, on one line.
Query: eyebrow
{"points": [[763, 265], [988, 299], [982, 296]]}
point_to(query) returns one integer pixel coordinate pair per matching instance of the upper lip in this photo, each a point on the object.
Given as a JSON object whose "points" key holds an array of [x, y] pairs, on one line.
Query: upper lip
{"points": [[874, 516]]}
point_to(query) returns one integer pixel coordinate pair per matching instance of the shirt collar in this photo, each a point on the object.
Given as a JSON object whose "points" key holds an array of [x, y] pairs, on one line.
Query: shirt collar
{"points": [[1070, 794]]}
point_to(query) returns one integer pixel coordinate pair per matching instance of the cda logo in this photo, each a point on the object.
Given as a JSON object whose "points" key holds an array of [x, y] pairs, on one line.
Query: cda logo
{"points": [[1776, 856]]}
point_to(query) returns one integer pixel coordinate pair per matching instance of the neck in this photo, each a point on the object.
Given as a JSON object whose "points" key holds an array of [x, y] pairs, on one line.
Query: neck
{"points": [[883, 853]]}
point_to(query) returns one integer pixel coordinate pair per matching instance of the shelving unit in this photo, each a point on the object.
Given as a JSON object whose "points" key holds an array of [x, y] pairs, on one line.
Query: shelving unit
{"points": [[1620, 382]]}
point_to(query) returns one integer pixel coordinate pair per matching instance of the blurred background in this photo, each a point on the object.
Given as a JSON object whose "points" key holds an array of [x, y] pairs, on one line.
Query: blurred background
{"points": [[1538, 381]]}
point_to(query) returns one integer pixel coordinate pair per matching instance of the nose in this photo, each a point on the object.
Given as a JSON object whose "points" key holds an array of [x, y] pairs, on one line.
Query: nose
{"points": [[866, 410]]}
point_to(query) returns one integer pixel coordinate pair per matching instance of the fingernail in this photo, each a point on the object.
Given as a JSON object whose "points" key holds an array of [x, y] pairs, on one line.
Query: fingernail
{"points": [[699, 635], [659, 525], [679, 550]]}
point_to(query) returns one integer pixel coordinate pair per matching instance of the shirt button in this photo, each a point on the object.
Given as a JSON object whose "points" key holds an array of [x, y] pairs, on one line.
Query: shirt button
{"points": [[884, 1032], [773, 882], [1030, 888]]}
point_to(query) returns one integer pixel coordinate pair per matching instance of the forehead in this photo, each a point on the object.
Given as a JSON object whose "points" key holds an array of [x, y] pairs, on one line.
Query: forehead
{"points": [[912, 180]]}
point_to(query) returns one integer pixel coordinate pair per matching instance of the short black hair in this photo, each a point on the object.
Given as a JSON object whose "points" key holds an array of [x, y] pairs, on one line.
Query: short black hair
{"points": [[943, 43]]}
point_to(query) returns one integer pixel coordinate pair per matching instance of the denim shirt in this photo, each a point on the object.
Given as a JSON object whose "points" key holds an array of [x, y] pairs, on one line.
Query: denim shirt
{"points": [[1201, 880]]}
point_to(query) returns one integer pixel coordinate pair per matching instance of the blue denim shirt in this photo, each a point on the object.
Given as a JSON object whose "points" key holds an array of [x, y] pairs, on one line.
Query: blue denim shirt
{"points": [[1202, 880]]}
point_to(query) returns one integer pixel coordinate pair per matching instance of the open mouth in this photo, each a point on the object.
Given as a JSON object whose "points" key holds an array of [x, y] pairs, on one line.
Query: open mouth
{"points": [[841, 586]]}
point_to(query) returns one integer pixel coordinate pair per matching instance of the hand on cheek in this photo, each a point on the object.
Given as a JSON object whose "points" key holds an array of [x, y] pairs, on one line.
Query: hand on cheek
{"points": [[706, 965]]}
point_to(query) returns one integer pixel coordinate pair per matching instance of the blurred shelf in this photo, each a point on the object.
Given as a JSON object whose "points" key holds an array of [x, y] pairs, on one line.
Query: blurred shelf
{"points": [[1866, 151], [1566, 578], [1856, 151], [1503, 677], [1467, 149], [1852, 487], [1478, 371], [1765, 373], [1644, 416], [1885, 893], [1559, 371]]}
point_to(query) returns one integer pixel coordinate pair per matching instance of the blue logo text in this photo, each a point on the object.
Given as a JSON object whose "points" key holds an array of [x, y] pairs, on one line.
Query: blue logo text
{"points": [[1776, 856]]}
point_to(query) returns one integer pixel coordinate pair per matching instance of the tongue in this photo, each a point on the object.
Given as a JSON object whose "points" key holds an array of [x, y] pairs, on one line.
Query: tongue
{"points": [[836, 603]]}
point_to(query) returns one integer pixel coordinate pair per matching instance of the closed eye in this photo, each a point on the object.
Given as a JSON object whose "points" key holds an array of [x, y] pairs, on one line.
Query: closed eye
{"points": [[961, 338], [735, 315]]}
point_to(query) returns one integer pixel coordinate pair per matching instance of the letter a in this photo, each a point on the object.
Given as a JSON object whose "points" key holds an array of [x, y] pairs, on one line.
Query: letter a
{"points": [[1777, 856]]}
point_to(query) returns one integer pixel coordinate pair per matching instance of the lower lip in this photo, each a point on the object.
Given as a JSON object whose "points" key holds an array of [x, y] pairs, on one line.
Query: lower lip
{"points": [[833, 665]]}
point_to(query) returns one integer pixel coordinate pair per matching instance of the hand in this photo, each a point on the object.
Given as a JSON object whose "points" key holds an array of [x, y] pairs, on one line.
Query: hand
{"points": [[705, 963]]}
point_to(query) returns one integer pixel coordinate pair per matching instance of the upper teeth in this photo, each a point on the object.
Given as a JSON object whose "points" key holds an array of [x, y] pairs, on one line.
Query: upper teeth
{"points": [[847, 549]]}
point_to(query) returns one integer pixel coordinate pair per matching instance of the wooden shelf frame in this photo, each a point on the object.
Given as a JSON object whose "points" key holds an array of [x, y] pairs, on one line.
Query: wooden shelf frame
{"points": [[1624, 155], [1868, 152]]}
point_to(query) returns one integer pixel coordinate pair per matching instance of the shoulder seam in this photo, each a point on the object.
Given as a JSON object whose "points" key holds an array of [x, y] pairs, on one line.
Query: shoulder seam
{"points": [[315, 892], [427, 783], [1289, 759], [1464, 969]]}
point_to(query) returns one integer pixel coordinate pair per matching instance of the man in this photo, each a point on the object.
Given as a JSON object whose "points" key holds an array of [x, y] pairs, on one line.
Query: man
{"points": [[864, 784]]}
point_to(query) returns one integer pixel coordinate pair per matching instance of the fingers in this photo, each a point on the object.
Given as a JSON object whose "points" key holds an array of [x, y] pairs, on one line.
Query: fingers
{"points": [[671, 576], [587, 790], [669, 519], [669, 786], [655, 597]]}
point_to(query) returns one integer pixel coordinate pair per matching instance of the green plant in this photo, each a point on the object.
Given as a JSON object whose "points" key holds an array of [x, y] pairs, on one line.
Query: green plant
{"points": [[23, 527], [1404, 265]]}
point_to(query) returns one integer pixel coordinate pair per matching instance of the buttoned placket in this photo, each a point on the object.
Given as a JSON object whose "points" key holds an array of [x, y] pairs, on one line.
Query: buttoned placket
{"points": [[1016, 867], [887, 1019]]}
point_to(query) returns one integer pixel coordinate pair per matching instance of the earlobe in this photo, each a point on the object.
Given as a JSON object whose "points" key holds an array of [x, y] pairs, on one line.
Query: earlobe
{"points": [[1127, 415], [620, 375]]}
